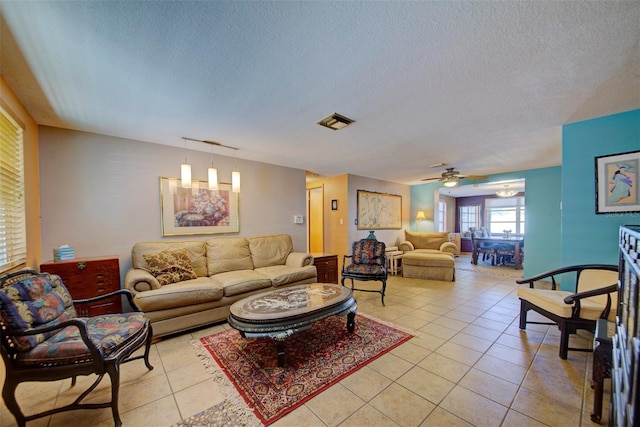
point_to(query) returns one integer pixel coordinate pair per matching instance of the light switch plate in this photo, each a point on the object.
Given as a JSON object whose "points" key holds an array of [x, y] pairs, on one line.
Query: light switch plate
{"points": [[298, 219]]}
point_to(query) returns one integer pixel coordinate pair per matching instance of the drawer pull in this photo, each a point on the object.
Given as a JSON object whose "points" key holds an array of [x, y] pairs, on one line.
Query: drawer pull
{"points": [[81, 265], [100, 290]]}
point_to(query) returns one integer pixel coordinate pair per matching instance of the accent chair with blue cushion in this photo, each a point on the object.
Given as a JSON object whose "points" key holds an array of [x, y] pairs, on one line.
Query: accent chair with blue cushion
{"points": [[368, 263], [43, 339]]}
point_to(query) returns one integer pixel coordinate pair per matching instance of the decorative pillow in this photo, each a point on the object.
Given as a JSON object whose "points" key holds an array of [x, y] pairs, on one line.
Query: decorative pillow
{"points": [[32, 302], [170, 266]]}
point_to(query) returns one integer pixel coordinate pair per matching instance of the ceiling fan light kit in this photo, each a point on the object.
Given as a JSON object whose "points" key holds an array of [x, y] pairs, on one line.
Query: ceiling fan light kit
{"points": [[451, 177], [451, 181]]}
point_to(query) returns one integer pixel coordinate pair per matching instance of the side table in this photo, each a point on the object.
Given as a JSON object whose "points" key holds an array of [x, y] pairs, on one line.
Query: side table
{"points": [[326, 266], [393, 258]]}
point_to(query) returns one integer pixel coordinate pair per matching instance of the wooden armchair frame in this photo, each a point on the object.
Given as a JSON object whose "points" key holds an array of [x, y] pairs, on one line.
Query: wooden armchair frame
{"points": [[379, 265], [97, 362], [569, 324]]}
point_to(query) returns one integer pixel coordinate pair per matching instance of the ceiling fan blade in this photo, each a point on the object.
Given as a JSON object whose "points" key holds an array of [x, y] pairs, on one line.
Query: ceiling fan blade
{"points": [[475, 177], [432, 179]]}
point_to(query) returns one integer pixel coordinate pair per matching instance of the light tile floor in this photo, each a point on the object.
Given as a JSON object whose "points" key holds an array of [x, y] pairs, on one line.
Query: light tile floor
{"points": [[468, 365]]}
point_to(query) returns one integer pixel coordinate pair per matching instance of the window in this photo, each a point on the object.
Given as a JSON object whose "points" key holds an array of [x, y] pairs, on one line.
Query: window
{"points": [[13, 238], [442, 215], [469, 217], [506, 214]]}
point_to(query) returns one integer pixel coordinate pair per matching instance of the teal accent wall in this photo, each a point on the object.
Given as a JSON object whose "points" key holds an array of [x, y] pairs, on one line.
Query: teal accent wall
{"points": [[542, 202], [587, 237], [422, 199]]}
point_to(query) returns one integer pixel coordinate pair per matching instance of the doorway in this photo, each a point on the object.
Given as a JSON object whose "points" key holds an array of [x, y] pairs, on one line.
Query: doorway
{"points": [[315, 207]]}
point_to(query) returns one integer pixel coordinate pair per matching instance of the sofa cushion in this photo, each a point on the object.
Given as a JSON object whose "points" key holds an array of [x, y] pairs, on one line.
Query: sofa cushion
{"points": [[196, 250], [241, 281], [427, 251], [170, 266], [270, 250], [282, 275], [189, 292], [440, 259], [228, 254], [424, 240]]}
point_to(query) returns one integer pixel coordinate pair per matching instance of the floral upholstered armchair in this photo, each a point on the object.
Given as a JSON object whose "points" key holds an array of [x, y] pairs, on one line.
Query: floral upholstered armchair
{"points": [[43, 339], [367, 263]]}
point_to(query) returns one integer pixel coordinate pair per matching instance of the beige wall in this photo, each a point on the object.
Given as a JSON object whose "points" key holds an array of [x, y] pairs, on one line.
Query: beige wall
{"points": [[339, 237], [389, 237], [335, 234], [101, 194], [32, 196], [451, 212]]}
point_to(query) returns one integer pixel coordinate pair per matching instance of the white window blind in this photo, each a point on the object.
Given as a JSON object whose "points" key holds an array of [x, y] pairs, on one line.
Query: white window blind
{"points": [[13, 236]]}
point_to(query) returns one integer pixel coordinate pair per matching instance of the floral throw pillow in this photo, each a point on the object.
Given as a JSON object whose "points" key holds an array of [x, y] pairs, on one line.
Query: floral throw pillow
{"points": [[170, 266]]}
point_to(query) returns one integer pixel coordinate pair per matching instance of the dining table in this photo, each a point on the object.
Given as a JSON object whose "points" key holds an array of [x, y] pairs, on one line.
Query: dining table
{"points": [[516, 241]]}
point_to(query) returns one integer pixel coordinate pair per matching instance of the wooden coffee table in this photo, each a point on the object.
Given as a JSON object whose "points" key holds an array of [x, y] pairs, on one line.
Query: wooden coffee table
{"points": [[279, 313]]}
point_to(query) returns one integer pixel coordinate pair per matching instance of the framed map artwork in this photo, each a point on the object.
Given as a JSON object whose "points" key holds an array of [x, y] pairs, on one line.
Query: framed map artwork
{"points": [[197, 210], [378, 211]]}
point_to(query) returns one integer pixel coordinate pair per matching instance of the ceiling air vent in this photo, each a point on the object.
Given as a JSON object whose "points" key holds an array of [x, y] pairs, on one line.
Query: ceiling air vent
{"points": [[335, 121]]}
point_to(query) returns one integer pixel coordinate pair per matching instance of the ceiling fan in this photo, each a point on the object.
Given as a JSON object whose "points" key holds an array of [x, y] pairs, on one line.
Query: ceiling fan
{"points": [[451, 177]]}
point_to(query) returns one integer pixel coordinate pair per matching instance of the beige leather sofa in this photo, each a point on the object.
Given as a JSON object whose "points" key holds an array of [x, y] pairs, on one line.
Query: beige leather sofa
{"points": [[428, 242], [224, 270]]}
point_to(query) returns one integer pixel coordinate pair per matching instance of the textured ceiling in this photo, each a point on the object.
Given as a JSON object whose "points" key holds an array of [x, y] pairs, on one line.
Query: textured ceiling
{"points": [[482, 86]]}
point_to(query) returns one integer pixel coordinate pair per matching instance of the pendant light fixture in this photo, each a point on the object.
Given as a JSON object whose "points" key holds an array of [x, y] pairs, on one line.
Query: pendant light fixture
{"points": [[212, 173], [185, 169], [235, 178]]}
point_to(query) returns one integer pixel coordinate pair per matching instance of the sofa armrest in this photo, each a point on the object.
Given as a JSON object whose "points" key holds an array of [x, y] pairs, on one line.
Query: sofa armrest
{"points": [[138, 280], [299, 259], [450, 247], [406, 246]]}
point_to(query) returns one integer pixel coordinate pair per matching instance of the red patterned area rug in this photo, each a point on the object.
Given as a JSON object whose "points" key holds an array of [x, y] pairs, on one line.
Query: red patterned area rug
{"points": [[315, 359]]}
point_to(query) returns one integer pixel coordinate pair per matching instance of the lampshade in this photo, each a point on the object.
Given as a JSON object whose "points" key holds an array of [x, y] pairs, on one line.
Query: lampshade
{"points": [[451, 181], [420, 216], [235, 181], [185, 175], [213, 178]]}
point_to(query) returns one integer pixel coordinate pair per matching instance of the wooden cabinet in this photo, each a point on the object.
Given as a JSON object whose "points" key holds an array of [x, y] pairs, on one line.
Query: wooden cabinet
{"points": [[625, 373], [466, 245], [87, 278], [327, 266]]}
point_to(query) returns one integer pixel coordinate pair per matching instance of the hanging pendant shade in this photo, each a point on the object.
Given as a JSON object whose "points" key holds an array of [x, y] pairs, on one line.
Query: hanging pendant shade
{"points": [[235, 181], [212, 174], [185, 175]]}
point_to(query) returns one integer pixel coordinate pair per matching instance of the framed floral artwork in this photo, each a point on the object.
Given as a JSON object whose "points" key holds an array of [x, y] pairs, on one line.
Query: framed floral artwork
{"points": [[617, 183], [197, 210]]}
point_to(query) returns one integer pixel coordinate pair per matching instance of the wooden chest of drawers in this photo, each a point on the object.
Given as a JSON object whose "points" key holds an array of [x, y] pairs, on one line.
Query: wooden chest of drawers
{"points": [[87, 278], [327, 266]]}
